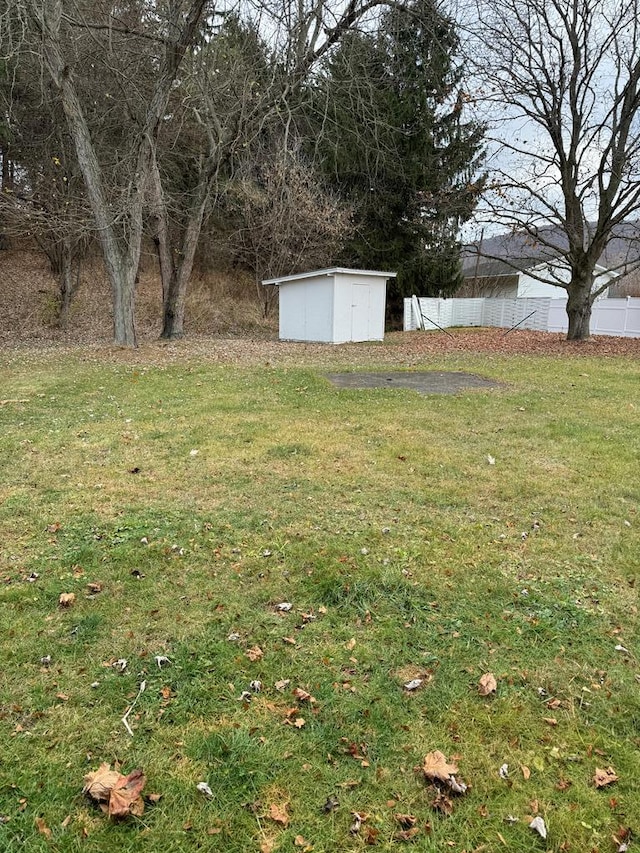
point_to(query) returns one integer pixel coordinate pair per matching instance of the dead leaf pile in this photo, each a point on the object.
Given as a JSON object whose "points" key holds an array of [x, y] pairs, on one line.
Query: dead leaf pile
{"points": [[118, 796], [441, 774]]}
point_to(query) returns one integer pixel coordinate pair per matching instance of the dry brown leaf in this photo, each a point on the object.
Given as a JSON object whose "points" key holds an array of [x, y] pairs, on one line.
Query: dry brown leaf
{"points": [[67, 599], [442, 803], [406, 821], [350, 646], [302, 695], [487, 684], [254, 653], [279, 814], [436, 768], [604, 777], [42, 828], [525, 772], [125, 796], [301, 841], [299, 722], [406, 834], [98, 785], [551, 721]]}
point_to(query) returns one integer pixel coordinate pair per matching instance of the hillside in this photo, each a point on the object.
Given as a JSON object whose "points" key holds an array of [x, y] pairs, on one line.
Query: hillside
{"points": [[218, 304]]}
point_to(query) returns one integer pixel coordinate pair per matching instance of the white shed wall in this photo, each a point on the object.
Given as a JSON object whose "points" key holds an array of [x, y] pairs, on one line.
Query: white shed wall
{"points": [[306, 310], [359, 308]]}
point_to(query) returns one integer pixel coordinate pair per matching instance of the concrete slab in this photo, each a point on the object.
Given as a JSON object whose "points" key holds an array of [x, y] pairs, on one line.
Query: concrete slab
{"points": [[424, 382]]}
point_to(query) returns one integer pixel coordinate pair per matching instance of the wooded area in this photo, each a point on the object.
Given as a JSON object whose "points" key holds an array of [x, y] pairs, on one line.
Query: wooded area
{"points": [[282, 136]]}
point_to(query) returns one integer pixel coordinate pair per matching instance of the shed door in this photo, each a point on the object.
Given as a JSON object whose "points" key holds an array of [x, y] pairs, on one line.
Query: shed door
{"points": [[360, 308]]}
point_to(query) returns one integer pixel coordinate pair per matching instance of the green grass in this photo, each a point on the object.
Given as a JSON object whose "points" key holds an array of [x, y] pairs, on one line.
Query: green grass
{"points": [[376, 512]]}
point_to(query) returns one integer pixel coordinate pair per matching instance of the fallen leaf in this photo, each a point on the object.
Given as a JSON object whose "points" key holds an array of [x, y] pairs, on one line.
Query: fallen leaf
{"points": [[94, 588], [358, 820], [330, 805], [604, 777], [283, 684], [371, 835], [436, 768], [442, 803], [539, 826], [406, 821], [98, 785], [551, 721], [350, 646], [254, 653], [301, 841], [302, 695], [487, 684], [42, 827], [406, 834], [67, 599], [125, 796], [299, 722], [525, 772], [279, 814]]}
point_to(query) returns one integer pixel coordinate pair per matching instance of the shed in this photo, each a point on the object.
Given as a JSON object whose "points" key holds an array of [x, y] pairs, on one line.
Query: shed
{"points": [[333, 305]]}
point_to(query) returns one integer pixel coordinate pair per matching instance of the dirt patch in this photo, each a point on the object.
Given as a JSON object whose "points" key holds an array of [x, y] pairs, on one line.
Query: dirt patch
{"points": [[424, 382]]}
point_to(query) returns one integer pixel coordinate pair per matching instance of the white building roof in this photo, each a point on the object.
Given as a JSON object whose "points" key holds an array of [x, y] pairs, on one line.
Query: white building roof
{"points": [[331, 271]]}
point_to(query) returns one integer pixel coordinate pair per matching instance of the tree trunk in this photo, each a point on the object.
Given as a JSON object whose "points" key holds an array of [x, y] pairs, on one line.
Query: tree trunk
{"points": [[66, 285], [579, 306], [121, 267], [121, 250], [175, 284]]}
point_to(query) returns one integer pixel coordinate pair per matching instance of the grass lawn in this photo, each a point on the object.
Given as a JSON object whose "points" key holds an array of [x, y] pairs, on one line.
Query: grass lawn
{"points": [[181, 503]]}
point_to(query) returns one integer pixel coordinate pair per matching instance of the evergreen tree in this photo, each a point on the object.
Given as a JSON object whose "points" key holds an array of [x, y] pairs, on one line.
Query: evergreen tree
{"points": [[397, 145]]}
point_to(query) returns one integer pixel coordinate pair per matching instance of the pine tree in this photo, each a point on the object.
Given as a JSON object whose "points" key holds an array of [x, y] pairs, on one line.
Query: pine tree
{"points": [[397, 145]]}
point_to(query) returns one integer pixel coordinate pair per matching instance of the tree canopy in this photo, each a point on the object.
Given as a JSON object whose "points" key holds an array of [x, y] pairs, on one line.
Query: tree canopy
{"points": [[399, 146]]}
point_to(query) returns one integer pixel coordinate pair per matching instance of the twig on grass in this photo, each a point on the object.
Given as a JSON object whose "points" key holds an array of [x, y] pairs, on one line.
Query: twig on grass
{"points": [[143, 687]]}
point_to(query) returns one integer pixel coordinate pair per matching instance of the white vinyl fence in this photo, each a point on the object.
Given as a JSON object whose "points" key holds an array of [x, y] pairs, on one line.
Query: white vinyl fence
{"points": [[619, 317]]}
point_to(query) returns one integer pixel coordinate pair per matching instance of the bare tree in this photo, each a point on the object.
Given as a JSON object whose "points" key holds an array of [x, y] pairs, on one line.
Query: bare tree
{"points": [[284, 220], [120, 232], [43, 195], [251, 75], [563, 80]]}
